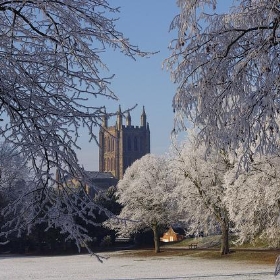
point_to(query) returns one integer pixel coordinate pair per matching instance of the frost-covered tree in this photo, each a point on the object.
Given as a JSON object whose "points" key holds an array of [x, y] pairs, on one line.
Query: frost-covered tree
{"points": [[14, 176], [51, 74], [253, 201], [227, 69], [200, 190], [145, 192], [14, 172]]}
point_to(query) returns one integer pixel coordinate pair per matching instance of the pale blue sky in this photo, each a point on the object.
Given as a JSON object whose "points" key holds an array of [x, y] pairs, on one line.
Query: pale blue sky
{"points": [[143, 82]]}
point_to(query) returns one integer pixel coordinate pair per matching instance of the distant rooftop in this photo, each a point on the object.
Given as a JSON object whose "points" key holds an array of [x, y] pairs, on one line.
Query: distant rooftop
{"points": [[100, 175]]}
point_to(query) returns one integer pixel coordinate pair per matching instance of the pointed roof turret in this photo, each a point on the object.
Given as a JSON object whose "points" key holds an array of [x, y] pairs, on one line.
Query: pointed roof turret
{"points": [[143, 118], [58, 178], [105, 119], [119, 118], [128, 119]]}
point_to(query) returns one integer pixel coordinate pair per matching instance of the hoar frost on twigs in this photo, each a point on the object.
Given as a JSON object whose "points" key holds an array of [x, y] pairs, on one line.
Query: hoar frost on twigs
{"points": [[227, 70], [145, 192], [50, 74], [253, 201], [201, 189]]}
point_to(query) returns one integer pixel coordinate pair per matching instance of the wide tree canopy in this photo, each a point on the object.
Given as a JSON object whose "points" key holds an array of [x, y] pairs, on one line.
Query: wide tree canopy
{"points": [[200, 190], [227, 70], [145, 192], [51, 73], [253, 201]]}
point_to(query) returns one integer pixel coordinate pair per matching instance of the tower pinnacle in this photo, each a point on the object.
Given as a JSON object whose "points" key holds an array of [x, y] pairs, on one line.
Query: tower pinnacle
{"points": [[143, 118], [104, 120], [128, 119], [119, 118]]}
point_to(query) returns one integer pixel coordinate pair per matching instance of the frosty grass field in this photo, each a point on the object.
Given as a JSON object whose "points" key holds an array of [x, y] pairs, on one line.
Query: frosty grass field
{"points": [[118, 267]]}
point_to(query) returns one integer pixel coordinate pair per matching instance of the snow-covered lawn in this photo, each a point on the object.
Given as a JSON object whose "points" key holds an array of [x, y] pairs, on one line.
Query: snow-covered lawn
{"points": [[118, 267]]}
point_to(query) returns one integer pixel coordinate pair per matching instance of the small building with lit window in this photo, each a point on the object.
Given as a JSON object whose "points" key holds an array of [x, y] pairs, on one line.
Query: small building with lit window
{"points": [[172, 235]]}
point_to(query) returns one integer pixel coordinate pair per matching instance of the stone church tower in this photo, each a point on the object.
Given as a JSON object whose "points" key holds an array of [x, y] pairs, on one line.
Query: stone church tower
{"points": [[121, 145]]}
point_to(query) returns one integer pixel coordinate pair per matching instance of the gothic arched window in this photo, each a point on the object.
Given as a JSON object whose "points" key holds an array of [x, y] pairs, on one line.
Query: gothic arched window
{"points": [[128, 143], [108, 144], [107, 164], [113, 144], [135, 143]]}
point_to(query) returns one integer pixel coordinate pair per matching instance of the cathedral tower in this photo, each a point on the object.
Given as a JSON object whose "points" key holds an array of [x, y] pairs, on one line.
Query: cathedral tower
{"points": [[121, 145]]}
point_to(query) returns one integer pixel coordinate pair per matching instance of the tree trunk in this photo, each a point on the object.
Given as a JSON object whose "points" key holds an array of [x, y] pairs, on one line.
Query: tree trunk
{"points": [[225, 238], [156, 238]]}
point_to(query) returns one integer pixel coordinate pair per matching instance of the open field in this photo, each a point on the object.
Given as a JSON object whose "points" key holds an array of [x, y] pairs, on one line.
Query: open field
{"points": [[134, 265], [208, 248], [253, 256], [175, 261]]}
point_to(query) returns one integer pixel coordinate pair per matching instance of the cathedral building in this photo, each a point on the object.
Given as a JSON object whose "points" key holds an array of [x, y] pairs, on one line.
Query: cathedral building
{"points": [[122, 144]]}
